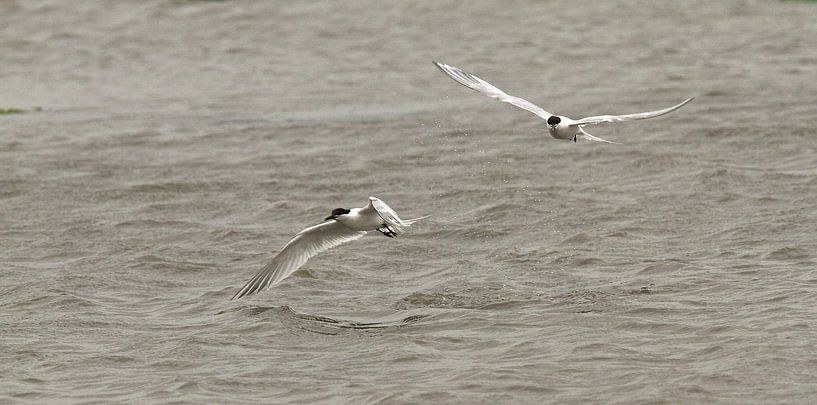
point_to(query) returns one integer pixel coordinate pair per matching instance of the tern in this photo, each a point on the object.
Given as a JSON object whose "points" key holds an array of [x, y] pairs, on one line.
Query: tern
{"points": [[559, 126], [343, 225]]}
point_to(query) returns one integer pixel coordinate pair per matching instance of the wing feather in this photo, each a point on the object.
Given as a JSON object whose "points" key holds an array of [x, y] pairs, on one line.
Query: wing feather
{"points": [[475, 83], [303, 246], [388, 215], [628, 117]]}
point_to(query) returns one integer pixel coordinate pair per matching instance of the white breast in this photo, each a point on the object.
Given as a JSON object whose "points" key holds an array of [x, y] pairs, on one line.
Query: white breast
{"points": [[563, 131]]}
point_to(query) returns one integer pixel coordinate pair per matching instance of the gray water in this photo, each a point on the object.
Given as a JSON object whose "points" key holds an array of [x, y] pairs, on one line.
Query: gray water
{"points": [[179, 144]]}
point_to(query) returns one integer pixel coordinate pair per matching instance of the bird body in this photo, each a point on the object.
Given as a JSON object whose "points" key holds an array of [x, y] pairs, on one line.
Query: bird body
{"points": [[361, 219], [561, 128]]}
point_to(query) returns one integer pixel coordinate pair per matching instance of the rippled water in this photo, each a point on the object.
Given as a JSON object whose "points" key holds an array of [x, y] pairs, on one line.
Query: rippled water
{"points": [[181, 143]]}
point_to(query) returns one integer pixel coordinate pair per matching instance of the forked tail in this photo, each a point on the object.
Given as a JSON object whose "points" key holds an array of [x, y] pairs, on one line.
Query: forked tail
{"points": [[589, 137], [413, 220]]}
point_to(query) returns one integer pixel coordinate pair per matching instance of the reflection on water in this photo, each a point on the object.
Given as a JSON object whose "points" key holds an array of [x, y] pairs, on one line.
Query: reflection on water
{"points": [[331, 326]]}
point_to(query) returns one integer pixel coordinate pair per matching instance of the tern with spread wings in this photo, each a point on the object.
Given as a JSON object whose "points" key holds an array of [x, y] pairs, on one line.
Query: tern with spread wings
{"points": [[343, 225], [559, 126]]}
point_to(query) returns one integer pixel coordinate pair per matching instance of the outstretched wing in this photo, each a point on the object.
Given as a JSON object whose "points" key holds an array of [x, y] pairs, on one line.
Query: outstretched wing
{"points": [[475, 83], [628, 117], [297, 251]]}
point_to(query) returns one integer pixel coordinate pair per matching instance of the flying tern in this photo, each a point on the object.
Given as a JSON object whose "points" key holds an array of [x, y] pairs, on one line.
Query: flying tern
{"points": [[343, 225], [559, 126]]}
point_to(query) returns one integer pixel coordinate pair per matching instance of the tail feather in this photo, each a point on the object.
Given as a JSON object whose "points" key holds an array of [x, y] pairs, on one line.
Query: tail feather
{"points": [[413, 220], [589, 137]]}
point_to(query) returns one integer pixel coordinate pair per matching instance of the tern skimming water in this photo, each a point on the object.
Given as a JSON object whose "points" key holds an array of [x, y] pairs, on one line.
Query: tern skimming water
{"points": [[344, 225], [559, 127]]}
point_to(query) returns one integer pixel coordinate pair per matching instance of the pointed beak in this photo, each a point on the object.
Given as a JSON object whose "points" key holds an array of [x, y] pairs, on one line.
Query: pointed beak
{"points": [[329, 217]]}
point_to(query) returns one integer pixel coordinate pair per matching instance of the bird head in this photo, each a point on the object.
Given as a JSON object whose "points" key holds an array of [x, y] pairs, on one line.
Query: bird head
{"points": [[336, 212], [553, 122]]}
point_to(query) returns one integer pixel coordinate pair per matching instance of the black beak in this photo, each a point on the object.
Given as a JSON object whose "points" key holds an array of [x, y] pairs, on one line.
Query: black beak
{"points": [[330, 217]]}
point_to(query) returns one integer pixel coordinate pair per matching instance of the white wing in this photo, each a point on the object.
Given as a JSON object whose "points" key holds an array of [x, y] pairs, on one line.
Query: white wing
{"points": [[475, 83], [387, 214], [297, 251], [390, 217], [628, 117]]}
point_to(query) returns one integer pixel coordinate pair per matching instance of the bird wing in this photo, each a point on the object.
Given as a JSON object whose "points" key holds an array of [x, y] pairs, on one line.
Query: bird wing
{"points": [[306, 244], [628, 117], [387, 214], [390, 217], [475, 83]]}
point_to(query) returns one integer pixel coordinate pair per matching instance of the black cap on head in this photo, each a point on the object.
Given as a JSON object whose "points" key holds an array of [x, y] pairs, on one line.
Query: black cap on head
{"points": [[336, 212], [553, 120]]}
